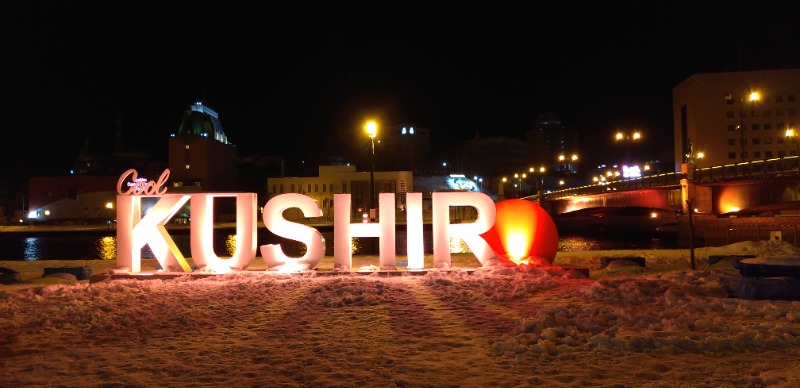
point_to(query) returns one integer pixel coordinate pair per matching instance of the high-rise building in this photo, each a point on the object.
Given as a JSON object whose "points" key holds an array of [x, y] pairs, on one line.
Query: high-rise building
{"points": [[200, 156], [724, 118], [553, 144], [403, 147]]}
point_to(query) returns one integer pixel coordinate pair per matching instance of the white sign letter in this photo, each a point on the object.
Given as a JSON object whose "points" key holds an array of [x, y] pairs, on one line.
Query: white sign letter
{"points": [[273, 219], [470, 232]]}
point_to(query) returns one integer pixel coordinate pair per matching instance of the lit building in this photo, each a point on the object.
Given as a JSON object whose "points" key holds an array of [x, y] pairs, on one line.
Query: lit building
{"points": [[200, 157], [735, 117], [343, 180]]}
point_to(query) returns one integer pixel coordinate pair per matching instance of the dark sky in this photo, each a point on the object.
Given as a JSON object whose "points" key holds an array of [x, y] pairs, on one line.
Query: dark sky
{"points": [[300, 79]]}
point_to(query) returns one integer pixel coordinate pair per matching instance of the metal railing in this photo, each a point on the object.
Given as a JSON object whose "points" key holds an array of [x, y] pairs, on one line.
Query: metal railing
{"points": [[725, 232], [660, 181], [756, 169]]}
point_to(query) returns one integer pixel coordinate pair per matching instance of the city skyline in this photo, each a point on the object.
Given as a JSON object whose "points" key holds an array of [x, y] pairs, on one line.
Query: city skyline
{"points": [[300, 80]]}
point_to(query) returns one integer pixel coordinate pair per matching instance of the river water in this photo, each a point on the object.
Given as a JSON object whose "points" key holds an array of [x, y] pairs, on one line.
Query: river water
{"points": [[101, 245]]}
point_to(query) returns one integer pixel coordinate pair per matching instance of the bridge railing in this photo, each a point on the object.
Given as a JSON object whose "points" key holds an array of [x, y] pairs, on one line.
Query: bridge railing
{"points": [[747, 170], [729, 172], [664, 180]]}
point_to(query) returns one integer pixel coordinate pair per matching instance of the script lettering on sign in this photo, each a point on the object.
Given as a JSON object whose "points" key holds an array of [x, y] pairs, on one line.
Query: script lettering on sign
{"points": [[141, 186]]}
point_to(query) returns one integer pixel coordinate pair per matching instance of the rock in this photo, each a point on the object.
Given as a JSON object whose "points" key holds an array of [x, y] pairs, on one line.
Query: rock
{"points": [[9, 276]]}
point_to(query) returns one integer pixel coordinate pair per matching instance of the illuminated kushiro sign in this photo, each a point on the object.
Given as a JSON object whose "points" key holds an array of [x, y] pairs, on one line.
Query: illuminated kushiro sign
{"points": [[134, 231]]}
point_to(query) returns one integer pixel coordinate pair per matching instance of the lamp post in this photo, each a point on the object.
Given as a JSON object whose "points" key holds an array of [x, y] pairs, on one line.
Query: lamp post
{"points": [[109, 206], [519, 178], [566, 164], [479, 181], [791, 135], [628, 138], [372, 131], [539, 181], [753, 98]]}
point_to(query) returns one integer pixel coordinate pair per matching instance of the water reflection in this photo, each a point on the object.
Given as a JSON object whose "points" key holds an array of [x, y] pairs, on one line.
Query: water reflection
{"points": [[102, 246], [31, 249], [107, 247], [230, 244]]}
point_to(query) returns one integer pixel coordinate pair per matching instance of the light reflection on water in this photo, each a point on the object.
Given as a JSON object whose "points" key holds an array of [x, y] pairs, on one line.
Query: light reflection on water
{"points": [[107, 247], [31, 248], [103, 247]]}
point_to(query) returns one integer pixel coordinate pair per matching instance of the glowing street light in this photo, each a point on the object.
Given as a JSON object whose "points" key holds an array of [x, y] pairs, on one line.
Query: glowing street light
{"points": [[479, 181], [372, 130], [540, 181], [109, 206], [628, 138], [564, 162], [791, 135], [519, 178], [753, 98]]}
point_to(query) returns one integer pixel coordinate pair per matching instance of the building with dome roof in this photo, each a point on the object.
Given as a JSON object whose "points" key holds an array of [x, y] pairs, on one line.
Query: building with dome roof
{"points": [[201, 159]]}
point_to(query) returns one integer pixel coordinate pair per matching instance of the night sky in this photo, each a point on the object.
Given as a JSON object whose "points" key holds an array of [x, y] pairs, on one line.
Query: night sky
{"points": [[311, 73]]}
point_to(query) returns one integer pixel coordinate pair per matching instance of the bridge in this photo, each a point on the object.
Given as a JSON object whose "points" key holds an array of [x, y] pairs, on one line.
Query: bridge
{"points": [[711, 190]]}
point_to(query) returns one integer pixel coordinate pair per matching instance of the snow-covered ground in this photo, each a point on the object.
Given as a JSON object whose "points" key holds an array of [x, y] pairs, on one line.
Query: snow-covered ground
{"points": [[625, 325]]}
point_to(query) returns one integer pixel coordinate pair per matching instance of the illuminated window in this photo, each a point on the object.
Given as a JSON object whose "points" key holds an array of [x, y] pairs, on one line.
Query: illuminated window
{"points": [[187, 166], [187, 146]]}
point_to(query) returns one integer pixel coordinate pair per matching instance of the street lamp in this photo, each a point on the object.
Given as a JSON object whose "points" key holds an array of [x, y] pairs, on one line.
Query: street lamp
{"points": [[479, 181], [791, 135], [109, 206], [628, 138], [753, 98], [519, 178], [539, 181], [372, 131], [566, 163]]}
